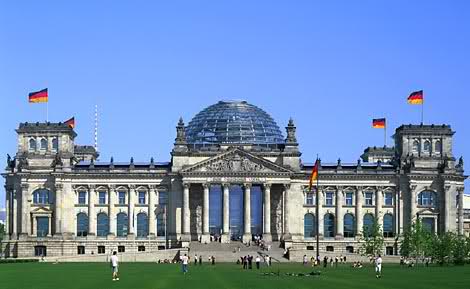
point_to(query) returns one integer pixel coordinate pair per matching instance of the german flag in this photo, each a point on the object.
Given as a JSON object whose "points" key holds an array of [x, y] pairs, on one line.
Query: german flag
{"points": [[416, 97], [314, 175], [378, 123], [38, 96], [70, 122]]}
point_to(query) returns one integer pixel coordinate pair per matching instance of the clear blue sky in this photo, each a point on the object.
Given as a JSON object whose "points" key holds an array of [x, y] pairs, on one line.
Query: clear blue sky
{"points": [[332, 66]]}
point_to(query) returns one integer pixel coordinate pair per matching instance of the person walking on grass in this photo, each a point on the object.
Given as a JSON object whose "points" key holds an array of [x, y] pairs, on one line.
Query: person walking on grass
{"points": [[115, 265], [184, 263], [378, 267]]}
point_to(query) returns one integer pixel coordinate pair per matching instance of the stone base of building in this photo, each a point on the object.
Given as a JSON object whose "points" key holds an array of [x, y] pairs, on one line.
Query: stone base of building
{"points": [[205, 239], [225, 238], [246, 238]]}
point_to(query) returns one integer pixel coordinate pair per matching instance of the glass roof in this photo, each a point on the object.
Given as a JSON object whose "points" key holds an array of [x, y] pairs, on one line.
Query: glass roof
{"points": [[233, 122]]}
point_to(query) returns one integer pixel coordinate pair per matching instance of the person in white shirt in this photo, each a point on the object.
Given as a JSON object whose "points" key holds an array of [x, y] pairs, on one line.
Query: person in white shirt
{"points": [[184, 262], [257, 260], [378, 267], [115, 265]]}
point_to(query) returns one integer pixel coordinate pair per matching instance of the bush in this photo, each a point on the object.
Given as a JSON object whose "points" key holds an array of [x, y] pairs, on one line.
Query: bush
{"points": [[10, 261]]}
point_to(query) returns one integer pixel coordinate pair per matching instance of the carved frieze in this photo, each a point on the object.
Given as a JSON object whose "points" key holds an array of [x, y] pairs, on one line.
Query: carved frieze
{"points": [[234, 163]]}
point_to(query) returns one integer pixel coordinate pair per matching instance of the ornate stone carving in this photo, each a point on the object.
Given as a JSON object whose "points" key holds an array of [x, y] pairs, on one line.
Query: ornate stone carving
{"points": [[235, 163]]}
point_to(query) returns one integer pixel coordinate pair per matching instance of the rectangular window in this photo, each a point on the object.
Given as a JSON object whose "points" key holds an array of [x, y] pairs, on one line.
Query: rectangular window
{"points": [[42, 226], [141, 248], [81, 250], [121, 249], [309, 199], [101, 250], [122, 198], [388, 199], [102, 198], [349, 198], [329, 198], [141, 198], [369, 198], [82, 197], [162, 198]]}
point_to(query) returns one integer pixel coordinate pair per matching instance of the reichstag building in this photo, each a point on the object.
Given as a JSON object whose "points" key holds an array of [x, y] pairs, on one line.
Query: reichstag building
{"points": [[232, 175]]}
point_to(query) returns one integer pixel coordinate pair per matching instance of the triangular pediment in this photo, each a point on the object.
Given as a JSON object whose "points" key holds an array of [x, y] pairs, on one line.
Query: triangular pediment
{"points": [[236, 160], [41, 210]]}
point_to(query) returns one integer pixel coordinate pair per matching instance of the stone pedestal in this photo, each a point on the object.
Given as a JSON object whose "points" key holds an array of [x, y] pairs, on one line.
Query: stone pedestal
{"points": [[246, 238], [267, 237], [205, 238], [225, 238]]}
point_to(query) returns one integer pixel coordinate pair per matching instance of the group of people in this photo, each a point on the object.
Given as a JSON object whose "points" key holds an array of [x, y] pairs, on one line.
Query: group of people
{"points": [[247, 261], [317, 262]]}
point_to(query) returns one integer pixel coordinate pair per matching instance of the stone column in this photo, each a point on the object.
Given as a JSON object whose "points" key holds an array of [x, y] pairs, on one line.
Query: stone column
{"points": [[460, 212], [7, 212], [378, 206], [15, 215], [49, 229], [267, 213], [287, 195], [131, 215], [339, 214], [186, 215], [152, 224], [24, 212], [205, 238], [226, 213], [58, 210], [91, 211], [112, 212], [413, 203], [359, 214], [247, 213], [320, 224], [35, 226]]}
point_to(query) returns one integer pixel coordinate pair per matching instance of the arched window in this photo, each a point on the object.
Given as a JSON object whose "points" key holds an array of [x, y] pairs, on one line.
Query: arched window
{"points": [[427, 199], [55, 144], [388, 226], [82, 225], [122, 223], [328, 225], [41, 197], [32, 145], [438, 147], [142, 225], [415, 146], [43, 144], [349, 226], [160, 225], [427, 146], [368, 224], [102, 225], [309, 226]]}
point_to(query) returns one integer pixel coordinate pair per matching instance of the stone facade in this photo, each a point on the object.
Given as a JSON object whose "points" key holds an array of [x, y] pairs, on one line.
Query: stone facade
{"points": [[61, 201]]}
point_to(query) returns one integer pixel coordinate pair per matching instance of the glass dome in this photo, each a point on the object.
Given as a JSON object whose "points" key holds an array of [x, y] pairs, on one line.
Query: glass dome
{"points": [[233, 122]]}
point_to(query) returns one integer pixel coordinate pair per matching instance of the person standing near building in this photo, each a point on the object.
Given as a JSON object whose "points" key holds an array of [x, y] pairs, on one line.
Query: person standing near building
{"points": [[195, 259], [304, 260], [184, 263], [378, 267], [258, 260], [114, 265]]}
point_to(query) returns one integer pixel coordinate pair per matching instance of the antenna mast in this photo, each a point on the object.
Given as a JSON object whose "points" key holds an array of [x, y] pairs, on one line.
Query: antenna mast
{"points": [[96, 127]]}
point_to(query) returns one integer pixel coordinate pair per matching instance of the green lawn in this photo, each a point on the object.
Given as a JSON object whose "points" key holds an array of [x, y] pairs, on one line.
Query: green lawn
{"points": [[220, 276]]}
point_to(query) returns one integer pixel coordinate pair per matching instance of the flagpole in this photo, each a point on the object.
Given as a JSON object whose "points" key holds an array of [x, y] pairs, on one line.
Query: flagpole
{"points": [[47, 110], [317, 212], [422, 112], [385, 135]]}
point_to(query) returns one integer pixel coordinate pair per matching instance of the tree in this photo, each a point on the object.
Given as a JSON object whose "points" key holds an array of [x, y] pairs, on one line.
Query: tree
{"points": [[372, 239], [2, 231], [460, 250], [416, 241], [442, 247]]}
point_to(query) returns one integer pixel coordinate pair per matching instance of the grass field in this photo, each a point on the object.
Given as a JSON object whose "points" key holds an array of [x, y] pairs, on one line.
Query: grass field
{"points": [[229, 276]]}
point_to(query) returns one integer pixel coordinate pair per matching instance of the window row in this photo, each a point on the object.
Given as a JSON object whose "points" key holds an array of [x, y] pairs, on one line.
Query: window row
{"points": [[42, 197], [349, 199], [122, 225], [42, 144], [122, 197], [426, 146], [349, 225]]}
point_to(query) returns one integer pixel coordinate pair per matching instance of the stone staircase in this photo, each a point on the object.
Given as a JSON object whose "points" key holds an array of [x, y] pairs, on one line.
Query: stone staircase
{"points": [[233, 251]]}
